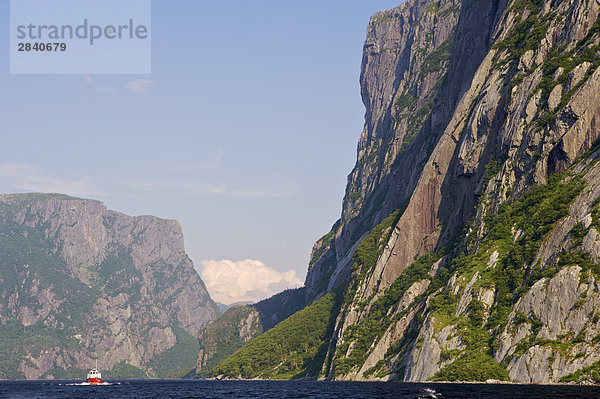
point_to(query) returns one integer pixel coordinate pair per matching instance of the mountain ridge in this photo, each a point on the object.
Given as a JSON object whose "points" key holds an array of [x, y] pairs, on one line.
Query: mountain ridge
{"points": [[80, 282]]}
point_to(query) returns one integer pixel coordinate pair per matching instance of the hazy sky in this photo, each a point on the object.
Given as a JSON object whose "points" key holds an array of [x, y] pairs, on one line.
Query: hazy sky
{"points": [[244, 132]]}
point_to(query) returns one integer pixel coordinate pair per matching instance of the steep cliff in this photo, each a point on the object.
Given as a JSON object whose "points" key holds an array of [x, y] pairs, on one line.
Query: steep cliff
{"points": [[525, 112], [79, 282], [405, 63], [467, 248]]}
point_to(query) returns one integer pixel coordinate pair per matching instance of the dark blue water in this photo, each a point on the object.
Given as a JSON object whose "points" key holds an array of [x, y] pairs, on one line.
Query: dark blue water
{"points": [[286, 389]]}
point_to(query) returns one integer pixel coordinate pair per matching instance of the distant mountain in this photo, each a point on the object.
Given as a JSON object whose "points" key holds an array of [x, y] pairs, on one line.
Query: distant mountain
{"points": [[79, 282], [468, 246]]}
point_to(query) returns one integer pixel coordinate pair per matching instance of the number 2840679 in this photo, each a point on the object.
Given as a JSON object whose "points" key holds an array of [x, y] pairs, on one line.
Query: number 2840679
{"points": [[42, 47]]}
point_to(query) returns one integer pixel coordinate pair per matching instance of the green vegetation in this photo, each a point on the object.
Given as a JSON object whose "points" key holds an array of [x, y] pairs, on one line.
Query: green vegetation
{"points": [[449, 10], [435, 61], [221, 337], [369, 250], [281, 306], [587, 374], [294, 348], [28, 267], [353, 196], [415, 122], [472, 366], [578, 233], [528, 33], [10, 351], [432, 8], [382, 17], [325, 243], [117, 274], [532, 217], [359, 337], [124, 370], [18, 341], [182, 356], [585, 51], [596, 214], [575, 257], [404, 103], [406, 106], [516, 232], [70, 373], [476, 362]]}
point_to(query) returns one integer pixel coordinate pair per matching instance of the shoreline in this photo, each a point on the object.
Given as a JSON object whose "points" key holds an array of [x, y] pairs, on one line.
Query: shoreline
{"points": [[489, 382]]}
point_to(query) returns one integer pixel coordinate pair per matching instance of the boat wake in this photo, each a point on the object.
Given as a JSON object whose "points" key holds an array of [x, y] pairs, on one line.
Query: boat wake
{"points": [[87, 383], [429, 393]]}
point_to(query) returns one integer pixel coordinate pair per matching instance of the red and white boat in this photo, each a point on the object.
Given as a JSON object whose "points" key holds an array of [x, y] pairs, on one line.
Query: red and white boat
{"points": [[94, 377]]}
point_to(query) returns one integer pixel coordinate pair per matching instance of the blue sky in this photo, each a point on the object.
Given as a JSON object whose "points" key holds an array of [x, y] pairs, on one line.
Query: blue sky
{"points": [[244, 132]]}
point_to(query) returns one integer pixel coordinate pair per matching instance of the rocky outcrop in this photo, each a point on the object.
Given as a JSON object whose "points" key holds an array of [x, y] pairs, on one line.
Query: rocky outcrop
{"points": [[563, 305], [513, 104], [82, 283]]}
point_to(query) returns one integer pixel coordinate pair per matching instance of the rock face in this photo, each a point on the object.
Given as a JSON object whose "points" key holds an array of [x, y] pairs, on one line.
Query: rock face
{"points": [[79, 282], [469, 242], [478, 116], [405, 61]]}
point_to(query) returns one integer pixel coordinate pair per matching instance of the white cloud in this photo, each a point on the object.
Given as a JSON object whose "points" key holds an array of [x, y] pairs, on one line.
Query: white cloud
{"points": [[139, 85], [31, 178], [245, 281]]}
